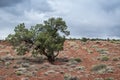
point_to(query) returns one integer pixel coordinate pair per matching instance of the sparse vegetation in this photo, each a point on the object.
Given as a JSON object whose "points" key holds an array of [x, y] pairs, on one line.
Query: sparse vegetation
{"points": [[78, 59], [98, 67], [115, 59], [102, 50], [104, 58], [70, 77], [68, 65], [109, 78]]}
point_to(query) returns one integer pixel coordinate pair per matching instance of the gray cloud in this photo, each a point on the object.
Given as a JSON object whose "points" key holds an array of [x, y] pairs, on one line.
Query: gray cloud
{"points": [[7, 3], [85, 18], [95, 18]]}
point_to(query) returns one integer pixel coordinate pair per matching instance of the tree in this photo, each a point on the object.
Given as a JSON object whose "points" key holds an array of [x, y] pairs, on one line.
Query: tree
{"points": [[45, 39]]}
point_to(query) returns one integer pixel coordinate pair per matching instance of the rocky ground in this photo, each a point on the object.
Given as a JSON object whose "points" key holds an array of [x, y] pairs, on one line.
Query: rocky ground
{"points": [[91, 60]]}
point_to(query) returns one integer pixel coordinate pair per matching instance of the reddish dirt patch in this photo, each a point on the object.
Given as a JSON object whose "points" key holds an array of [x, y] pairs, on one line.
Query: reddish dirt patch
{"points": [[86, 51]]}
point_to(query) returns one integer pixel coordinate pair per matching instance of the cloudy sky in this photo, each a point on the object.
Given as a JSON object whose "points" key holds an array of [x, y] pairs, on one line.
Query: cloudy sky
{"points": [[85, 18]]}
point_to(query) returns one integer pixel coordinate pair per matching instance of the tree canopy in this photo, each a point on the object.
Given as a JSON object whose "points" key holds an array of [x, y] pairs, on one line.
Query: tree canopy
{"points": [[45, 39]]}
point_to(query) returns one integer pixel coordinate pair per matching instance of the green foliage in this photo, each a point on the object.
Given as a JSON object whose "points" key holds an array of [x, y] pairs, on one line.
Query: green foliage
{"points": [[104, 58], [84, 39], [115, 59], [110, 78], [70, 77], [102, 50], [78, 59], [98, 67], [45, 39]]}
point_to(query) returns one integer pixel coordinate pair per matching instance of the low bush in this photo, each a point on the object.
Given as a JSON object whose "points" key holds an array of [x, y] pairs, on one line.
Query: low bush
{"points": [[115, 59], [110, 78], [70, 77], [104, 58], [78, 59], [98, 67]]}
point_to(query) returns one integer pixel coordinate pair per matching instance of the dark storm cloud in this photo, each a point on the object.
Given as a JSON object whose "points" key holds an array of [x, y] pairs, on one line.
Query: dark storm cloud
{"points": [[85, 18], [110, 6], [7, 3]]}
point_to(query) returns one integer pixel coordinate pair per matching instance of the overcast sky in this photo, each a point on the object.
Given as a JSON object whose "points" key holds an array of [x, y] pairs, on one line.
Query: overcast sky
{"points": [[85, 18]]}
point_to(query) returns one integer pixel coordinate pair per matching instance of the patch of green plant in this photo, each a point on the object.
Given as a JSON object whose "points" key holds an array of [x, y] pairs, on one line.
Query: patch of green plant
{"points": [[18, 73], [102, 50], [70, 77], [98, 67], [104, 58], [110, 78], [115, 59], [78, 59]]}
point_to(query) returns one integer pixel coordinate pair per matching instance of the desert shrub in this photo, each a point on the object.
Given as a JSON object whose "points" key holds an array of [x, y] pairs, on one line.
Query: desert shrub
{"points": [[98, 67], [102, 51], [78, 59], [70, 77], [110, 78], [115, 59], [98, 79], [104, 58]]}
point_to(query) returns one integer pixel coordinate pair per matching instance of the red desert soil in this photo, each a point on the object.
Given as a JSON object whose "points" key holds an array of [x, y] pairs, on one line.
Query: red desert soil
{"points": [[13, 67]]}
